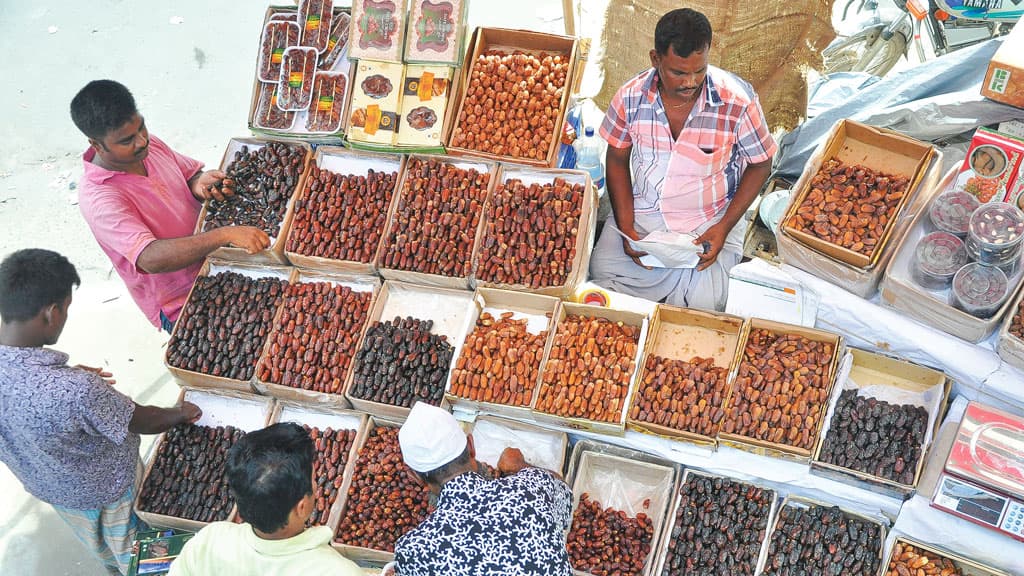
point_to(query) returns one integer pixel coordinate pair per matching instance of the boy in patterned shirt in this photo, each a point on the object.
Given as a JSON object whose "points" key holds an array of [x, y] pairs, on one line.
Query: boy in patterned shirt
{"points": [[65, 432]]}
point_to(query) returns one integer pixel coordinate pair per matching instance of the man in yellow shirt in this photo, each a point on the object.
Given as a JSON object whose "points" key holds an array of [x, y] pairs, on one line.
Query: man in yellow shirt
{"points": [[270, 473]]}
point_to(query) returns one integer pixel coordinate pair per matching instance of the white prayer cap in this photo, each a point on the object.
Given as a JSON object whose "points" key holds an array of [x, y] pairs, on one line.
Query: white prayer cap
{"points": [[430, 438]]}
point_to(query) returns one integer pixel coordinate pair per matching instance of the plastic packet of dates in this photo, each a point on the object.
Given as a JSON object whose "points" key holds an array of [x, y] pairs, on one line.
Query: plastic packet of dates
{"points": [[544, 450], [630, 486]]}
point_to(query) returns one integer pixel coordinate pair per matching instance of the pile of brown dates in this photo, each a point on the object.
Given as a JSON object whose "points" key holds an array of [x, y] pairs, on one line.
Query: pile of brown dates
{"points": [[402, 362], [823, 541]]}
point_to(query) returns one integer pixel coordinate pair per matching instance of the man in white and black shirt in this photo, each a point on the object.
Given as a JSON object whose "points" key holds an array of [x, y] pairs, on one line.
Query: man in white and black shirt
{"points": [[513, 525]]}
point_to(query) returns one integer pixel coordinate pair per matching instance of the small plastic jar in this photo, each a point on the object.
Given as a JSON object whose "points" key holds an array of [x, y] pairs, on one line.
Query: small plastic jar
{"points": [[979, 290], [951, 212], [937, 259], [995, 233]]}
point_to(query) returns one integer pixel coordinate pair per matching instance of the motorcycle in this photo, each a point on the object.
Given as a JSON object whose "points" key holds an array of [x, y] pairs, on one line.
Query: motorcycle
{"points": [[883, 36]]}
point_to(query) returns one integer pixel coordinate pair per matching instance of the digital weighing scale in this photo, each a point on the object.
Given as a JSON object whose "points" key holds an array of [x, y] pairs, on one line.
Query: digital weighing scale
{"points": [[984, 476]]}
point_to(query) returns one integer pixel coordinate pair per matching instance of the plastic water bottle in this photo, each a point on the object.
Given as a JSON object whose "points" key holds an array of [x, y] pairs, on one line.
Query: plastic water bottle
{"points": [[588, 157]]}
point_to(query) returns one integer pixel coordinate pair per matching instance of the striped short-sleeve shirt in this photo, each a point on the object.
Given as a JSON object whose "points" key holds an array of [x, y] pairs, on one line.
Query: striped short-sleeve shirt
{"points": [[726, 129]]}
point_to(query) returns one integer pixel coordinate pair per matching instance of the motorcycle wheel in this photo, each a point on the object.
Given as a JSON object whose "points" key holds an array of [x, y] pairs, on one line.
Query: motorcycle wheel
{"points": [[849, 54]]}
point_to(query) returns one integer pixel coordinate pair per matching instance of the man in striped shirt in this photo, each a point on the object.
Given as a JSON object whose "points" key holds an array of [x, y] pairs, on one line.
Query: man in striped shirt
{"points": [[688, 151]]}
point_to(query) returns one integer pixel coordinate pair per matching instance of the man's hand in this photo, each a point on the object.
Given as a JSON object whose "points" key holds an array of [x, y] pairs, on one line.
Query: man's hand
{"points": [[511, 461], [715, 239], [190, 413], [636, 255], [248, 238], [212, 184], [99, 372]]}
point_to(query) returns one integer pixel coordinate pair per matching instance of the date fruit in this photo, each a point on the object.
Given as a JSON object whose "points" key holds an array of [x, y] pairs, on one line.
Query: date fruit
{"points": [[823, 541], [434, 228], [263, 180], [782, 385], [607, 542], [500, 362], [187, 477], [850, 206], [402, 362], [719, 527], [589, 369], [530, 233], [337, 41], [1017, 323], [910, 561], [277, 36], [295, 89], [268, 115], [384, 502], [224, 325], [332, 448], [315, 338], [682, 395], [341, 217], [324, 114], [876, 437], [512, 104]]}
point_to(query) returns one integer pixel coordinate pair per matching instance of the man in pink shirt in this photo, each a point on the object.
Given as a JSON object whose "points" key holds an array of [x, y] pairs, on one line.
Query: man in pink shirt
{"points": [[142, 200]]}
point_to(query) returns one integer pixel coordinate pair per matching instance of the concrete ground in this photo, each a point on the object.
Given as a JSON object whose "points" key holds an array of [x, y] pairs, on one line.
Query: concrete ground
{"points": [[190, 65]]}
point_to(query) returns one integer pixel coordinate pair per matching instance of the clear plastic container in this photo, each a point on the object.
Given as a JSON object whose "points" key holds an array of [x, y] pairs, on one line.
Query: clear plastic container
{"points": [[337, 42], [937, 259], [278, 35], [315, 20], [268, 115], [324, 114], [979, 290], [951, 212], [995, 233], [295, 89]]}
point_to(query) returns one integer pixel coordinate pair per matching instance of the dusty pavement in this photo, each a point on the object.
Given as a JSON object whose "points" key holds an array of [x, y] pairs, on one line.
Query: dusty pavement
{"points": [[190, 66]]}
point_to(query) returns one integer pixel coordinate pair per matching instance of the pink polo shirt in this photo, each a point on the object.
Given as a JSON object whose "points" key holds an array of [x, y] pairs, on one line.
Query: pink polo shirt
{"points": [[127, 211]]}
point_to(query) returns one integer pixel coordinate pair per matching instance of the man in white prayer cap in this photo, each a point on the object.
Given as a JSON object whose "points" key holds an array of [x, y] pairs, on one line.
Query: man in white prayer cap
{"points": [[515, 524]]}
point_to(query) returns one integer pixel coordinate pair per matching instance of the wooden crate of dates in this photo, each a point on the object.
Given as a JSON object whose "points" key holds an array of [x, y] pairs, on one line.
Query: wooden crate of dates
{"points": [[514, 95], [541, 447], [538, 231], [432, 236], [880, 424], [335, 433], [810, 537], [219, 337], [717, 525], [413, 334], [686, 373], [183, 486], [380, 501], [846, 206], [498, 368], [1011, 336], [342, 210], [266, 174], [909, 556], [619, 506], [784, 377], [588, 376], [309, 351]]}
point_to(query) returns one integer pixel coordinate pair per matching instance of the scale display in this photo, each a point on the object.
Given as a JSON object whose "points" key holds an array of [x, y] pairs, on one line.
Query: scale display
{"points": [[980, 505]]}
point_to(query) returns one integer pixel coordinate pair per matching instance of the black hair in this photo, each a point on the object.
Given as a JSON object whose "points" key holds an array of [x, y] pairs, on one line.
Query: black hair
{"points": [[437, 475], [269, 471], [33, 279], [685, 30], [102, 107]]}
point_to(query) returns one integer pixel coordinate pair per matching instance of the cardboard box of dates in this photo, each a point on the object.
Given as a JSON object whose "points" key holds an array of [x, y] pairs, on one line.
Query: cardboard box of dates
{"points": [[588, 376], [379, 500], [183, 486], [880, 424], [900, 289], [342, 210], [1011, 336], [527, 77], [335, 452], [908, 555], [784, 379], [807, 537], [399, 363], [676, 397], [308, 353], [267, 175], [619, 506], [690, 542], [433, 234], [539, 231], [303, 74], [541, 447], [219, 337], [851, 201], [498, 368]]}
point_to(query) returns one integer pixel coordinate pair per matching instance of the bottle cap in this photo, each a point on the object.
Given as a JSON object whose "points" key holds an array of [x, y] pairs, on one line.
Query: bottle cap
{"points": [[589, 131]]}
